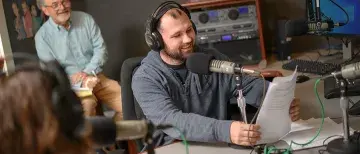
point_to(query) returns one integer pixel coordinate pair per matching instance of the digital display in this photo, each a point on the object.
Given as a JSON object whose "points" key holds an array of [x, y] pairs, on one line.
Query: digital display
{"points": [[226, 37], [243, 10], [213, 14]]}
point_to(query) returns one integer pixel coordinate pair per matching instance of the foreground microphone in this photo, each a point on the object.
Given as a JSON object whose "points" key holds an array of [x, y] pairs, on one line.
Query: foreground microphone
{"points": [[351, 71], [201, 63], [105, 131]]}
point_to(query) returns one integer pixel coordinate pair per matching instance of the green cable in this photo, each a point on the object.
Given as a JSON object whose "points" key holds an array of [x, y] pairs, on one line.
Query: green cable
{"points": [[292, 142], [183, 139], [267, 151], [322, 118]]}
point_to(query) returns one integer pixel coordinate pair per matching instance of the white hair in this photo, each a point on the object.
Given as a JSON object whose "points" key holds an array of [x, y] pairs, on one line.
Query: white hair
{"points": [[40, 3]]}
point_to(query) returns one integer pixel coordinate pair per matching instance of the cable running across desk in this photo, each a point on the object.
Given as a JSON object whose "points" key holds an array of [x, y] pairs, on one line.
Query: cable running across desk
{"points": [[270, 149], [184, 140]]}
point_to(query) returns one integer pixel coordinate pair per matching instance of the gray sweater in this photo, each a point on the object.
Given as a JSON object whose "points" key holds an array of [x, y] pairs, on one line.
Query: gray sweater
{"points": [[198, 107]]}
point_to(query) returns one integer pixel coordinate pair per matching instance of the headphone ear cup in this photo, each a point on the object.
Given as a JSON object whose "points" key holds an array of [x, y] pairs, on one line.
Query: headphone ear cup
{"points": [[148, 36], [194, 26], [149, 40], [159, 41]]}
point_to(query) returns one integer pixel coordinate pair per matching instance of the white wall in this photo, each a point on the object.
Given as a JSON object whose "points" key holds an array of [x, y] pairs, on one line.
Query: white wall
{"points": [[5, 41]]}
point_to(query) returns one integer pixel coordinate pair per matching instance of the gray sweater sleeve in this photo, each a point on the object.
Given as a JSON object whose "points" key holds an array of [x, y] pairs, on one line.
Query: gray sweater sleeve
{"points": [[159, 108]]}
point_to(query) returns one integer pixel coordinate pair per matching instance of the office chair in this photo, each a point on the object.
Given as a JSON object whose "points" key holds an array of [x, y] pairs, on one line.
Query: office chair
{"points": [[131, 108]]}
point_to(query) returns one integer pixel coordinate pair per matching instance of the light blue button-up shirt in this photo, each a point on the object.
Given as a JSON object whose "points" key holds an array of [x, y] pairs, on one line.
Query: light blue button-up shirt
{"points": [[80, 48]]}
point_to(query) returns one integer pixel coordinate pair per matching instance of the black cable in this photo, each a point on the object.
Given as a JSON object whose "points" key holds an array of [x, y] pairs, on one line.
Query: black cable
{"points": [[252, 150], [323, 15], [351, 102], [321, 151], [330, 137], [345, 42], [347, 61], [351, 59], [347, 15], [328, 41]]}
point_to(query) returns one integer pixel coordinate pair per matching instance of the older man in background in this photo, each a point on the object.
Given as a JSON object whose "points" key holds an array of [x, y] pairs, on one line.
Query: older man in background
{"points": [[75, 41]]}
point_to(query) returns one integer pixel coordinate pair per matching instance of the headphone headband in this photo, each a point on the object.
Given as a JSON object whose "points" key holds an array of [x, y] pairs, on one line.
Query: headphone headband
{"points": [[152, 37], [162, 5], [156, 16]]}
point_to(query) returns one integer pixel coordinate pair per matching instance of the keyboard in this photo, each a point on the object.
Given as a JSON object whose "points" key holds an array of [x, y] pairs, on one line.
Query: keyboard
{"points": [[313, 67]]}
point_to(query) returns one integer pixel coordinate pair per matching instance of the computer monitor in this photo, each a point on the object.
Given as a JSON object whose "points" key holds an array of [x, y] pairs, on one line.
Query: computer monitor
{"points": [[340, 11]]}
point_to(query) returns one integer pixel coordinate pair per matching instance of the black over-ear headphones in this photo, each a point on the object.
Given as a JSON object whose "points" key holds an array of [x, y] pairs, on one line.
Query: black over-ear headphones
{"points": [[152, 37], [65, 103]]}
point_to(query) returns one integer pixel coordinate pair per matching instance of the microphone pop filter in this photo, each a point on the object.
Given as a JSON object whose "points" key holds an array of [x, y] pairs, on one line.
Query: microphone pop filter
{"points": [[199, 63]]}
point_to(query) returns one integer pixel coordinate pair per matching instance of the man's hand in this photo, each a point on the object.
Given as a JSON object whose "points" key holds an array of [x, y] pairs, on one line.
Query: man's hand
{"points": [[244, 134], [77, 77], [295, 110], [90, 82]]}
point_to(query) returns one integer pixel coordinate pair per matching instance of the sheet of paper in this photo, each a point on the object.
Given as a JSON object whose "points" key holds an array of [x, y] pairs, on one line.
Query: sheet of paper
{"points": [[273, 118], [81, 89], [330, 128], [300, 125]]}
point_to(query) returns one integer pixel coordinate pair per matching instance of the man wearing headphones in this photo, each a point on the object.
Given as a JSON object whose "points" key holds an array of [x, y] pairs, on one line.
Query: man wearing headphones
{"points": [[196, 104], [75, 41]]}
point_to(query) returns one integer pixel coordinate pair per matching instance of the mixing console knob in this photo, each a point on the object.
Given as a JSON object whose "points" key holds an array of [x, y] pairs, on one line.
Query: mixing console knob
{"points": [[233, 14], [203, 18]]}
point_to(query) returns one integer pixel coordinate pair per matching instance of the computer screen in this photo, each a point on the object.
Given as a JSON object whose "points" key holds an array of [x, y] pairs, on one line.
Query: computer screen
{"points": [[335, 9]]}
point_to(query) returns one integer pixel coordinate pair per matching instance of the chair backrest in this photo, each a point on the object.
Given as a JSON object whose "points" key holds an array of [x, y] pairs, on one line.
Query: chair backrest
{"points": [[130, 107]]}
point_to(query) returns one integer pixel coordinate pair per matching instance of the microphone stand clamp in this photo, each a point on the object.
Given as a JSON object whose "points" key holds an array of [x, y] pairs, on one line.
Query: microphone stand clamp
{"points": [[241, 99]]}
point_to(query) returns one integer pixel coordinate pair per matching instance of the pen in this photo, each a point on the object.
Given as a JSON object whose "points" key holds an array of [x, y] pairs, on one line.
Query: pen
{"points": [[93, 72]]}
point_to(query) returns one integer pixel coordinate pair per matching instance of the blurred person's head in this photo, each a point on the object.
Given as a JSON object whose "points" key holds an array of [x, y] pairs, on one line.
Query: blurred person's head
{"points": [[28, 120], [58, 10]]}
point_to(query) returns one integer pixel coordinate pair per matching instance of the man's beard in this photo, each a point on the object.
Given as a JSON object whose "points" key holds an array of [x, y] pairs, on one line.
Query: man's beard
{"points": [[177, 55]]}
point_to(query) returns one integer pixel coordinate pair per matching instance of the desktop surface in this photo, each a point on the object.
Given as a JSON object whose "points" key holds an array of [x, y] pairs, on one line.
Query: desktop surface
{"points": [[309, 108], [223, 148]]}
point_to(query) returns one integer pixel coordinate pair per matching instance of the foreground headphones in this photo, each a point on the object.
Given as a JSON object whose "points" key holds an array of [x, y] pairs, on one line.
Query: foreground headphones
{"points": [[152, 37], [65, 103]]}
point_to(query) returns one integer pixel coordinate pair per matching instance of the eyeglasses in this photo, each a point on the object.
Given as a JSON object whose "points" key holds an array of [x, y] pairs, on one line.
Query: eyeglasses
{"points": [[56, 5]]}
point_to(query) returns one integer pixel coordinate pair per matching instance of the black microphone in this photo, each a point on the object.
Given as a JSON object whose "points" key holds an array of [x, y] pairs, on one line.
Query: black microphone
{"points": [[201, 63], [104, 131], [322, 26], [299, 27], [351, 71]]}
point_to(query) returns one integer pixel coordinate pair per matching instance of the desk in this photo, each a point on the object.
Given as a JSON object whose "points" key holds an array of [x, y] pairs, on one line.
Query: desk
{"points": [[304, 91], [222, 148], [206, 148]]}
